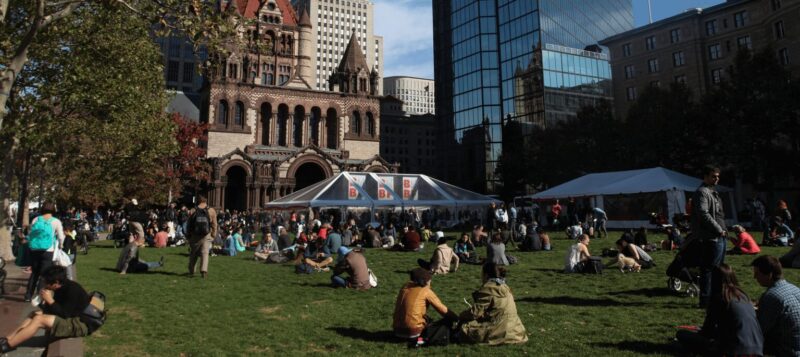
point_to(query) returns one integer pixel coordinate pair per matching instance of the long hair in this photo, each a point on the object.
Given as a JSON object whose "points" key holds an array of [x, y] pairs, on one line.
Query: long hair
{"points": [[730, 285]]}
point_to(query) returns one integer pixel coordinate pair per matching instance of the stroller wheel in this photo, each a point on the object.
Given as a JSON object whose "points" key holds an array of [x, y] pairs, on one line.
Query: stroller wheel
{"points": [[674, 284], [693, 290]]}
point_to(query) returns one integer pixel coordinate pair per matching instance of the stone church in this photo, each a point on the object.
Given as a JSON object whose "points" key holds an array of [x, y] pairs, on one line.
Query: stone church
{"points": [[270, 133]]}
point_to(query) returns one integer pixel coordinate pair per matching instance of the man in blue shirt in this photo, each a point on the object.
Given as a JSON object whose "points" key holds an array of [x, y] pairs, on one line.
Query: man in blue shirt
{"points": [[778, 308], [600, 222]]}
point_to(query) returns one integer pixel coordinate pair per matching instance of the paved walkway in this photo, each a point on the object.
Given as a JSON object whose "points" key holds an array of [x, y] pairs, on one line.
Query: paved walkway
{"points": [[13, 310]]}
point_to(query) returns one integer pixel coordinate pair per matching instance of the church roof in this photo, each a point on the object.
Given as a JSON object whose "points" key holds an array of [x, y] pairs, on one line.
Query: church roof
{"points": [[353, 59], [305, 20], [249, 9]]}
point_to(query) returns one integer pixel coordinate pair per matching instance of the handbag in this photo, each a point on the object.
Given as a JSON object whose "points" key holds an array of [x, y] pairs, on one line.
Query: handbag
{"points": [[60, 258], [373, 280]]}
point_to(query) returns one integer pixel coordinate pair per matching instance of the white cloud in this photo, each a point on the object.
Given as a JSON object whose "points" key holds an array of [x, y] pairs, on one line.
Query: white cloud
{"points": [[407, 30]]}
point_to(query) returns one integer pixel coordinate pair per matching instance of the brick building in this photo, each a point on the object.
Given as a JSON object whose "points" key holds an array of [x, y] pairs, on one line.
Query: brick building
{"points": [[697, 47], [271, 133]]}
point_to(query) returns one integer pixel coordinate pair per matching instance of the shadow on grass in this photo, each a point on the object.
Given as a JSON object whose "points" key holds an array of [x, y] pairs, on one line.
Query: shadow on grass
{"points": [[642, 347], [649, 292], [369, 336], [575, 301], [159, 272], [548, 270]]}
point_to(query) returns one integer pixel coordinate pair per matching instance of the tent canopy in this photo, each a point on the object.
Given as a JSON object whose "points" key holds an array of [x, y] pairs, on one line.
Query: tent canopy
{"points": [[373, 190], [655, 179]]}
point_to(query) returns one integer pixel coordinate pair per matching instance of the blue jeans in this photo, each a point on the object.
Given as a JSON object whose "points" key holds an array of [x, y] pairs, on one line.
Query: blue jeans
{"points": [[713, 256], [338, 282]]}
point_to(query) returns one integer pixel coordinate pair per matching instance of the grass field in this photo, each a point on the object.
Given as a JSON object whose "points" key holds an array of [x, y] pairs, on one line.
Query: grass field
{"points": [[249, 308]]}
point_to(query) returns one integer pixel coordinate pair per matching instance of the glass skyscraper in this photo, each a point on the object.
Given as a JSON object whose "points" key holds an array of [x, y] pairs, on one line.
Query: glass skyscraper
{"points": [[515, 64]]}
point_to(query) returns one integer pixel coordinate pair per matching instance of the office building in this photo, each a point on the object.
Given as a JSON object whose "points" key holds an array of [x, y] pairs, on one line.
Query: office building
{"points": [[515, 63], [697, 47], [417, 94], [334, 21], [408, 139]]}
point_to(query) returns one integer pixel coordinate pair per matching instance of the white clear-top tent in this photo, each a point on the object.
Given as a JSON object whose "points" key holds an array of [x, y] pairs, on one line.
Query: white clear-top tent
{"points": [[379, 190]]}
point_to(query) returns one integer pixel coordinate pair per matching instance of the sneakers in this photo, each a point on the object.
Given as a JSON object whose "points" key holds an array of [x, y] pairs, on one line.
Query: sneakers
{"points": [[326, 269]]}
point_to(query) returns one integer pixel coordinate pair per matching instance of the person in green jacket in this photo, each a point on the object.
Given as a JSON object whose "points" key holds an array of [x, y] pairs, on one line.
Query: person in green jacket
{"points": [[493, 318]]}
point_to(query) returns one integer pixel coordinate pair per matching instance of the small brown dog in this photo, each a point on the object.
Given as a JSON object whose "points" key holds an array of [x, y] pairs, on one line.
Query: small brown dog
{"points": [[626, 263]]}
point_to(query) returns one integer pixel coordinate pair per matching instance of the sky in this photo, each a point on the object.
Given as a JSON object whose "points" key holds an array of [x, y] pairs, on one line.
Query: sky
{"points": [[407, 30]]}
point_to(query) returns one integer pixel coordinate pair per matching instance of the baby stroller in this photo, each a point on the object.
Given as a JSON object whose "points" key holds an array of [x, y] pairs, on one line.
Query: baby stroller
{"points": [[683, 271]]}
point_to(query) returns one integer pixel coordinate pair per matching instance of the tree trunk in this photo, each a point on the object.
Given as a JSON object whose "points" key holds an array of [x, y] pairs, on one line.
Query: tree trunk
{"points": [[5, 193]]}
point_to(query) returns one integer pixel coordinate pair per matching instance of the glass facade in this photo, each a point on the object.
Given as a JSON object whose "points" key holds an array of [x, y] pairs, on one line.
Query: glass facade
{"points": [[527, 62]]}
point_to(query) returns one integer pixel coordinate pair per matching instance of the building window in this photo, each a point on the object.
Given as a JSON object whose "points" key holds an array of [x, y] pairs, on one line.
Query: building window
{"points": [[776, 5], [629, 72], [716, 76], [238, 117], [650, 43], [740, 19], [714, 52], [678, 59], [783, 56], [681, 79], [631, 93], [626, 50], [675, 35], [652, 65], [744, 42], [222, 113], [779, 33], [711, 27], [655, 84], [188, 72], [173, 71]]}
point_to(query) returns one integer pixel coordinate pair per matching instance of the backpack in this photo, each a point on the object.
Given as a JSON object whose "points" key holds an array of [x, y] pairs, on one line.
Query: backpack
{"points": [[593, 266], [42, 235], [200, 223], [94, 315]]}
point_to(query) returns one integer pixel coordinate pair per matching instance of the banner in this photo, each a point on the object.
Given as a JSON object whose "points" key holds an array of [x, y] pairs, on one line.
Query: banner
{"points": [[409, 183], [352, 192], [383, 193]]}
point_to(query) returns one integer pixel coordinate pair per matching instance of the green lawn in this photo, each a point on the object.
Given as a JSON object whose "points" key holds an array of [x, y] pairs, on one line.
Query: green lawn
{"points": [[249, 308]]}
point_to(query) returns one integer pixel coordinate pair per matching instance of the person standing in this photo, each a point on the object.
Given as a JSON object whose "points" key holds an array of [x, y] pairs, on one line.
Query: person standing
{"points": [[202, 228], [708, 225], [555, 213], [45, 234], [601, 218]]}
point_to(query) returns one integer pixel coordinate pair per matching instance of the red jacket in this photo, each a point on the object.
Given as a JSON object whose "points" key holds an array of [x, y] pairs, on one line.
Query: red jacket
{"points": [[746, 244]]}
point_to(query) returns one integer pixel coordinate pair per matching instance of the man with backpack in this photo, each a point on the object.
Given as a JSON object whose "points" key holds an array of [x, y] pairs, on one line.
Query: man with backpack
{"points": [[46, 233], [202, 228]]}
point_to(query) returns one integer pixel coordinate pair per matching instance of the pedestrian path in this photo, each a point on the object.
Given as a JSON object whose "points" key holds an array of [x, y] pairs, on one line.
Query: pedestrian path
{"points": [[14, 309]]}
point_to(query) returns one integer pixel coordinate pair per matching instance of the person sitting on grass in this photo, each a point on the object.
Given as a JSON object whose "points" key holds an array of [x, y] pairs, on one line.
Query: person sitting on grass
{"points": [[63, 301], [640, 238], [574, 232], [531, 242], [410, 319], [411, 240], [492, 318], [266, 247], [334, 240], [317, 254], [465, 250], [355, 265], [161, 238], [636, 252], [479, 236], [730, 327], [743, 242], [578, 255], [545, 238], [779, 233], [496, 250], [234, 244], [129, 262], [442, 257], [778, 308], [284, 239]]}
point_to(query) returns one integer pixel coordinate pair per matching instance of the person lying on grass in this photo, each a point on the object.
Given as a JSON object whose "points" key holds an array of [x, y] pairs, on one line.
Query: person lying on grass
{"points": [[492, 319], [129, 261], [355, 265], [63, 300], [410, 309]]}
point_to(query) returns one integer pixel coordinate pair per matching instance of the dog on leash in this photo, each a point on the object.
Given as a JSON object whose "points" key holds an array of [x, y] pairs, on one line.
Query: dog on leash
{"points": [[628, 264]]}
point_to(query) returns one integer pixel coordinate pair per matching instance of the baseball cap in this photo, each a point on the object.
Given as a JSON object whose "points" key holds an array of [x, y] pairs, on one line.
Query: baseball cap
{"points": [[344, 251]]}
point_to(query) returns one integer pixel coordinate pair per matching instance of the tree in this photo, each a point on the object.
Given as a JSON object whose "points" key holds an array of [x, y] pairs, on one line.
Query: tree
{"points": [[188, 169]]}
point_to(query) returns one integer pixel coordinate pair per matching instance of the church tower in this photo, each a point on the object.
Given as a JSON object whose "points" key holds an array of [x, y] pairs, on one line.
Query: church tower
{"points": [[306, 48], [353, 74]]}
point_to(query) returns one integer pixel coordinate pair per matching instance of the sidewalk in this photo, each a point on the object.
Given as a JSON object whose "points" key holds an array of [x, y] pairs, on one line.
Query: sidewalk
{"points": [[13, 310]]}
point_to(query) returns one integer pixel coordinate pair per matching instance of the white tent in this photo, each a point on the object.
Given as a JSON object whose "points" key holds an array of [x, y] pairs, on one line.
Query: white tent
{"points": [[374, 190], [669, 188]]}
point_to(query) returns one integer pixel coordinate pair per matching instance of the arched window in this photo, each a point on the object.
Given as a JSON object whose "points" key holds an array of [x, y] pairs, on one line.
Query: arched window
{"points": [[370, 124], [313, 125], [238, 118], [283, 123], [266, 118], [332, 128], [222, 113], [355, 123], [270, 79], [297, 133]]}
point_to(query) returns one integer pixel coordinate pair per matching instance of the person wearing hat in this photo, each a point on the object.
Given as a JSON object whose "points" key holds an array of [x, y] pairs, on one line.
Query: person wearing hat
{"points": [[355, 265], [442, 257], [410, 309]]}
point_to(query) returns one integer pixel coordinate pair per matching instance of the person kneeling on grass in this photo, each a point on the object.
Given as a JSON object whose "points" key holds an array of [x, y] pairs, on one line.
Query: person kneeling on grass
{"points": [[410, 318], [743, 242], [493, 318], [63, 300], [730, 327], [317, 255], [355, 265], [129, 261]]}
